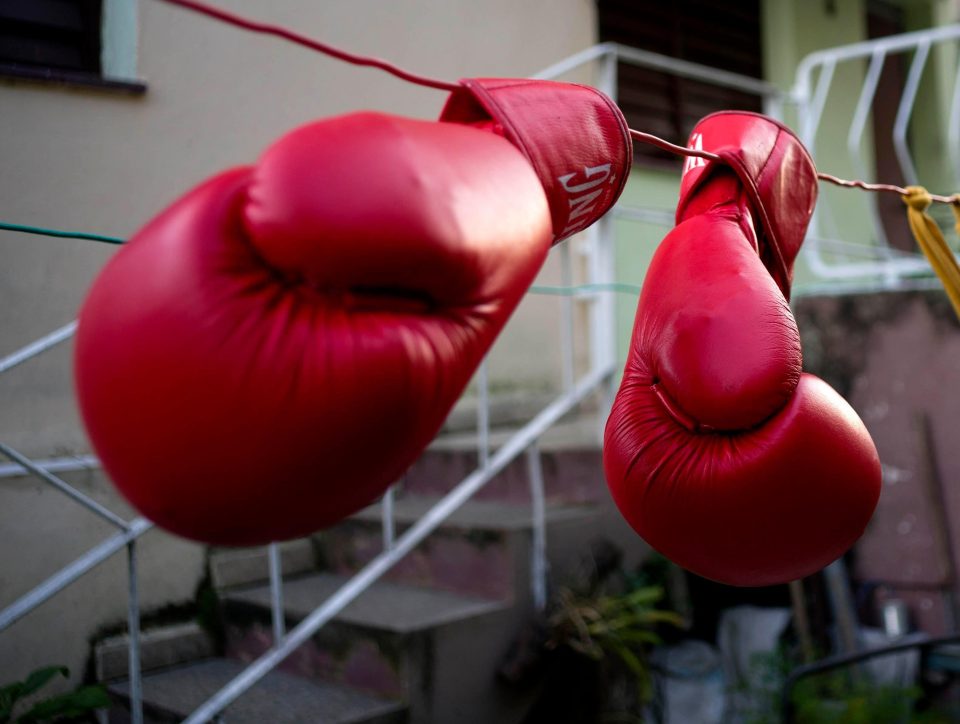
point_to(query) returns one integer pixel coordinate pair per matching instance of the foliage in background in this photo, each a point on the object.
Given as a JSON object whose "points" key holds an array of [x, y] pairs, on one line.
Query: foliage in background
{"points": [[833, 697], [622, 627], [62, 707], [837, 701], [588, 653]]}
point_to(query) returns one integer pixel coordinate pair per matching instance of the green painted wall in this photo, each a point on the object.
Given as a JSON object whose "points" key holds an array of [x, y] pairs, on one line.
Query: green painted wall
{"points": [[636, 241]]}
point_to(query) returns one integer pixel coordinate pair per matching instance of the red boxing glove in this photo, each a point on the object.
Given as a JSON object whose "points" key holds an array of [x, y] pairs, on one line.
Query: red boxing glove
{"points": [[271, 352], [274, 350], [719, 451]]}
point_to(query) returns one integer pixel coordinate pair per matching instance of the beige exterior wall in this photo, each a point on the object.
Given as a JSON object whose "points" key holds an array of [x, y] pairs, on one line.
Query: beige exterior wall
{"points": [[104, 162]]}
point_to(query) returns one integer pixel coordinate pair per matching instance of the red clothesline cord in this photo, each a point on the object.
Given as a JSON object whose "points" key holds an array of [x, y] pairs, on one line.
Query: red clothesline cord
{"points": [[680, 150], [282, 32]]}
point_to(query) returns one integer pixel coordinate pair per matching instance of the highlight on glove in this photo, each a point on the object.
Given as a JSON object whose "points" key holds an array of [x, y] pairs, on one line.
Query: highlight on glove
{"points": [[719, 451]]}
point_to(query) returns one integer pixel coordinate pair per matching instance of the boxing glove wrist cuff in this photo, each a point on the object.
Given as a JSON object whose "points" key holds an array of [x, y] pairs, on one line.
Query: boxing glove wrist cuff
{"points": [[777, 173], [574, 136]]}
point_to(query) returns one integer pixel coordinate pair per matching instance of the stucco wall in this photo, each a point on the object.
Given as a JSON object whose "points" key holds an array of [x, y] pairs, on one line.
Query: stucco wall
{"points": [[105, 162]]}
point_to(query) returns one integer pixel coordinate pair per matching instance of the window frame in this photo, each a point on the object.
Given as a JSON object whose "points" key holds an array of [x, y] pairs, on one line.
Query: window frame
{"points": [[118, 56]]}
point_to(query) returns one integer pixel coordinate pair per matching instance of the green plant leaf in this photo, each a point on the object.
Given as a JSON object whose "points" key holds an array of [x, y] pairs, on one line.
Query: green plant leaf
{"points": [[658, 616], [8, 697], [74, 703], [630, 659], [637, 667], [640, 637], [41, 677], [37, 679], [647, 595], [587, 648]]}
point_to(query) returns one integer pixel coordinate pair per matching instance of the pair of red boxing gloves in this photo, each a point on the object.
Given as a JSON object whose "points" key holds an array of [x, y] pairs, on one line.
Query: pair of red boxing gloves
{"points": [[271, 352]]}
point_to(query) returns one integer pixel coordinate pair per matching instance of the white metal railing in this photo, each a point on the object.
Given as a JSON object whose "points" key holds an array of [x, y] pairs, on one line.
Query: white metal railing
{"points": [[598, 248], [874, 265], [126, 537]]}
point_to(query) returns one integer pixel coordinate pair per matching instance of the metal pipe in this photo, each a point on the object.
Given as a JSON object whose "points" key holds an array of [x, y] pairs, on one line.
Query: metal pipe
{"points": [[891, 44], [387, 519], [483, 414], [895, 266], [835, 289], [892, 269], [662, 217], [855, 136], [566, 320], [695, 71], [918, 262], [53, 465], [601, 263], [68, 574], [133, 630], [538, 549], [675, 66], [41, 345], [276, 592], [64, 487], [862, 112], [588, 55], [810, 120], [953, 127], [369, 574], [905, 110]]}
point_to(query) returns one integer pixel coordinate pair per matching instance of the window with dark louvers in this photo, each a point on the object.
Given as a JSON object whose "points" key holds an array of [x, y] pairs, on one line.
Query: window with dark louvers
{"points": [[723, 35], [60, 35]]}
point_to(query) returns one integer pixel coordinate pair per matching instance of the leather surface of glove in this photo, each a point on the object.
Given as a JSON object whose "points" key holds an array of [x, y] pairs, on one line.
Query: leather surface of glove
{"points": [[574, 136], [719, 451], [273, 350]]}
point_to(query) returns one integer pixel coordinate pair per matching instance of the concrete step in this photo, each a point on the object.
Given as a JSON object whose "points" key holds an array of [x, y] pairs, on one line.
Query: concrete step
{"points": [[435, 650], [571, 458], [245, 566], [278, 698], [483, 549], [159, 648]]}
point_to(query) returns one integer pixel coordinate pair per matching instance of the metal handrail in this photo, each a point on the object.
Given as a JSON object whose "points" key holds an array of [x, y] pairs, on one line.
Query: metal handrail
{"points": [[71, 572], [895, 270], [85, 500], [372, 572], [41, 345], [126, 538], [864, 49]]}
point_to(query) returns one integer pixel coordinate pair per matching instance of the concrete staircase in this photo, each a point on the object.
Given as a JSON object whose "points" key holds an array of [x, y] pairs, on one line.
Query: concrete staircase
{"points": [[424, 643]]}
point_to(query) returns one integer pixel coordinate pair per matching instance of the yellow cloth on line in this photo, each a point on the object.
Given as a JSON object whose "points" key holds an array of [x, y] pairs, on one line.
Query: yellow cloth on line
{"points": [[931, 241]]}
